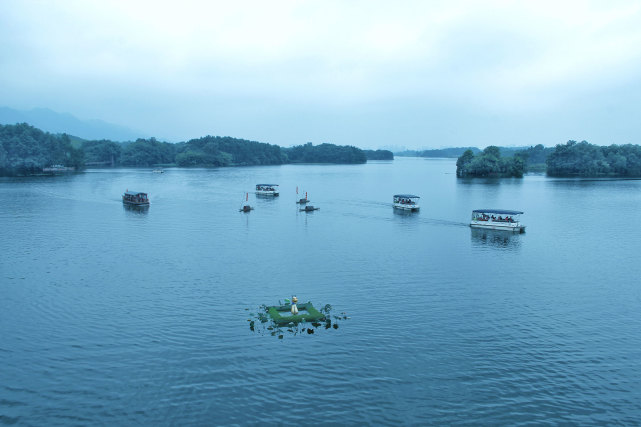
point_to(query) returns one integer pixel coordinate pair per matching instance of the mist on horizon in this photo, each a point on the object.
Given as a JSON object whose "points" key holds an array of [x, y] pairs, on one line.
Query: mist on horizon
{"points": [[369, 74]]}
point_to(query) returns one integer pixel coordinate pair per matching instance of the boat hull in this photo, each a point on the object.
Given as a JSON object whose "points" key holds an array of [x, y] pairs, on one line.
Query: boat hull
{"points": [[409, 208], [128, 203], [515, 228]]}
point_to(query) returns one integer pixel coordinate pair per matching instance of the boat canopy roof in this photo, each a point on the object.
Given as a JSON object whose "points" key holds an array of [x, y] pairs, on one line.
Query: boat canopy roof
{"points": [[134, 193], [267, 185], [497, 211], [407, 196]]}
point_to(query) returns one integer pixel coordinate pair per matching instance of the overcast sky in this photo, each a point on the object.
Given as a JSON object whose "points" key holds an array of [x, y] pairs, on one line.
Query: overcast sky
{"points": [[364, 73]]}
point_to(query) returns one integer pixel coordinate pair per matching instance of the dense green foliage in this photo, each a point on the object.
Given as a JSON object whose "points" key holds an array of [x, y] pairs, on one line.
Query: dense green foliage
{"points": [[102, 152], [584, 159], [147, 152], [227, 151], [534, 157], [489, 163], [26, 150], [379, 155], [450, 153], [325, 153]]}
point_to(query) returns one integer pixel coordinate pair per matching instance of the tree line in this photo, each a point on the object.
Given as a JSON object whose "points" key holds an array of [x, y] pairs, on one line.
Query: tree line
{"points": [[451, 153], [489, 163], [324, 153], [580, 159], [26, 150], [588, 160], [379, 155]]}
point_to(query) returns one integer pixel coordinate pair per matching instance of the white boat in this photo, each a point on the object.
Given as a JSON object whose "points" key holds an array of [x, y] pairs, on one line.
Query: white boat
{"points": [[267, 189], [497, 219], [159, 170], [408, 202]]}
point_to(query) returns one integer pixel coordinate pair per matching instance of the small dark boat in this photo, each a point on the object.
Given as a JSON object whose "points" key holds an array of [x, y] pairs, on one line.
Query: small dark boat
{"points": [[246, 207], [309, 208], [135, 198], [302, 201]]}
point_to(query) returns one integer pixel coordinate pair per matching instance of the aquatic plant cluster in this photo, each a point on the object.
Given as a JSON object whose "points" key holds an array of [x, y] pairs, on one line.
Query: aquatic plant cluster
{"points": [[262, 323]]}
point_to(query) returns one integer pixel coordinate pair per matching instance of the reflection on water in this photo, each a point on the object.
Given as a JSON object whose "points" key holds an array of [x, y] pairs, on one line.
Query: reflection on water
{"points": [[136, 210], [405, 213], [592, 182], [501, 239], [490, 181], [130, 316]]}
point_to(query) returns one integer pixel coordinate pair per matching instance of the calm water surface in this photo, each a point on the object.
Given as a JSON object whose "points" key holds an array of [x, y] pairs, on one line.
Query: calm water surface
{"points": [[113, 316]]}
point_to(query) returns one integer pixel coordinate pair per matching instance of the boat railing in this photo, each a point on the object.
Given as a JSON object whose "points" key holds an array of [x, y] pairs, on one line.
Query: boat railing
{"points": [[509, 220]]}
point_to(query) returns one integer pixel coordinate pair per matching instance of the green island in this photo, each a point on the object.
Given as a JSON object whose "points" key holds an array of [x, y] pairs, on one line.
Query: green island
{"points": [[587, 160], [571, 159], [26, 150], [489, 163]]}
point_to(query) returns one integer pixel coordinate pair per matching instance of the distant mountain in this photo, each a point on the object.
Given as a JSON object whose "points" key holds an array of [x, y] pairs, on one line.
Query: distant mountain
{"points": [[53, 122], [452, 152], [455, 152]]}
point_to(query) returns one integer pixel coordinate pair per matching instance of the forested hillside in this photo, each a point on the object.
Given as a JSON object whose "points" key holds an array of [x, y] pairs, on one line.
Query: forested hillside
{"points": [[26, 150], [227, 151], [325, 153], [585, 159]]}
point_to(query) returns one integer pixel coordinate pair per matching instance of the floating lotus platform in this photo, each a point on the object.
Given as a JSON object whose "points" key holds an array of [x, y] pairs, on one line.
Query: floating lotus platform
{"points": [[281, 314]]}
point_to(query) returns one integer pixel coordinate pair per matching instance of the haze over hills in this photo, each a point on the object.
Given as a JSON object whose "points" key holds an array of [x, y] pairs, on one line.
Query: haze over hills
{"points": [[54, 122]]}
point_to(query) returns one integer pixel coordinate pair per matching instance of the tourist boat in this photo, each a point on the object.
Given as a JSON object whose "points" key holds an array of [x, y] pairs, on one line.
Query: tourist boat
{"points": [[407, 202], [135, 198], [267, 189], [497, 219], [159, 170]]}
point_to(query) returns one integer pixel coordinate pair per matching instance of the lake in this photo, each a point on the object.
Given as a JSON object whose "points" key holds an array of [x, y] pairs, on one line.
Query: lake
{"points": [[117, 316]]}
